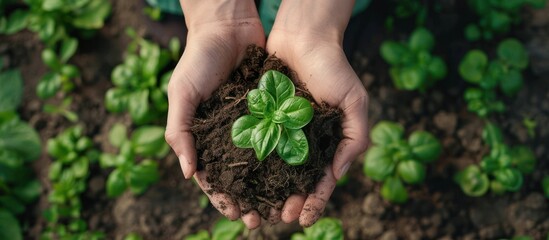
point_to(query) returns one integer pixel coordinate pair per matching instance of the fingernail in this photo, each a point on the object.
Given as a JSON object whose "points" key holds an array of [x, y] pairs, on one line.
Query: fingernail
{"points": [[344, 170], [185, 167]]}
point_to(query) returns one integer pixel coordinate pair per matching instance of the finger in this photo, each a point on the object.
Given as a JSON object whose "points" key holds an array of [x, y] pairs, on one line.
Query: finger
{"points": [[274, 216], [292, 208], [316, 202], [252, 220], [222, 202], [355, 134]]}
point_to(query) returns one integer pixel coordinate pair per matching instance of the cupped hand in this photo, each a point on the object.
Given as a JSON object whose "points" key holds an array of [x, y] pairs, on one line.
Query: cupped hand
{"points": [[215, 46]]}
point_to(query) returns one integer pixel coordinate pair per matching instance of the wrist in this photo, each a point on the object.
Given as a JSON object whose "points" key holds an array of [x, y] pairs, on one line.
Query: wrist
{"points": [[202, 14]]}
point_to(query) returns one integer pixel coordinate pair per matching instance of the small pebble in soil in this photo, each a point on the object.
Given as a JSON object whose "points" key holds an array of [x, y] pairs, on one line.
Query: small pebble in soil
{"points": [[372, 227], [389, 235], [373, 205], [446, 121]]}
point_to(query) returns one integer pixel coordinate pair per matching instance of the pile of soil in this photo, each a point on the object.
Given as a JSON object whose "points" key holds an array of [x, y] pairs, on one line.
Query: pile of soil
{"points": [[259, 185]]}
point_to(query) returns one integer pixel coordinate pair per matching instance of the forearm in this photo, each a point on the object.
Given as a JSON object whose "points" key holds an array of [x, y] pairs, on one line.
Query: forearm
{"points": [[200, 13]]}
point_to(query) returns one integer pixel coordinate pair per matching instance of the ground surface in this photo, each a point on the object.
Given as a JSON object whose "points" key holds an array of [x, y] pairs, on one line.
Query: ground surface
{"points": [[436, 210]]}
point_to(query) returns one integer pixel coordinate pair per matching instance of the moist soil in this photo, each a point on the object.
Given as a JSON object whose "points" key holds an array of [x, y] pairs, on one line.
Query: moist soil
{"points": [[438, 209], [259, 185]]}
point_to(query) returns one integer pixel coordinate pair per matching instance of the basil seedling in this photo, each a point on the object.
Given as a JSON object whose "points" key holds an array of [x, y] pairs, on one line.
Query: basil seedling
{"points": [[275, 120], [324, 228]]}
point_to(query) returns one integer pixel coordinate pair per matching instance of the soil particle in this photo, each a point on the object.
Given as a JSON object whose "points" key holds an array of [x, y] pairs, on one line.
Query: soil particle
{"points": [[372, 227], [470, 135], [373, 205], [538, 50], [524, 215], [446, 121], [389, 235], [487, 212], [367, 79], [491, 232]]}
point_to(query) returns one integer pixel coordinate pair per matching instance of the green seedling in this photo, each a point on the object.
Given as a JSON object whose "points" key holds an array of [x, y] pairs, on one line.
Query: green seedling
{"points": [[324, 229], [154, 13], [141, 82], [146, 141], [61, 75], [275, 120], [501, 170], [223, 229], [72, 154], [496, 17], [530, 125], [413, 67], [19, 147], [133, 236], [503, 73], [393, 160], [63, 109], [545, 185]]}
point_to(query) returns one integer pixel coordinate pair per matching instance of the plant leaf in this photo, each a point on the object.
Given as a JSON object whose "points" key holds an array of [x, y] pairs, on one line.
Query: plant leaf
{"points": [[385, 133], [241, 131], [143, 175], [265, 137], [425, 146], [393, 190], [116, 183], [491, 134], [378, 163], [11, 91], [138, 106], [393, 52], [260, 103], [10, 226], [411, 171], [93, 15], [16, 22], [511, 83], [278, 85], [148, 141], [523, 159], [299, 112], [437, 68], [412, 78], [510, 178], [226, 229], [116, 99], [472, 67], [421, 39], [48, 85], [19, 137], [293, 147], [472, 181], [512, 52], [68, 48], [118, 135], [325, 228]]}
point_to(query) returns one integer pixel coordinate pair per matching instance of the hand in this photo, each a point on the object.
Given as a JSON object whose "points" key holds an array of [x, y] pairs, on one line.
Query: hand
{"points": [[216, 44], [312, 47]]}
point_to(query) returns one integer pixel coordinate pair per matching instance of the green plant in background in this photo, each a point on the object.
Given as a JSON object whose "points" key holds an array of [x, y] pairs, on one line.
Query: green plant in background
{"points": [[393, 160], [324, 229], [72, 154], [62, 109], [404, 9], [133, 236], [141, 82], [275, 120], [54, 20], [14, 22], [503, 73], [146, 141], [19, 146], [154, 13], [545, 185], [496, 17], [530, 125], [61, 75], [501, 170], [413, 67], [223, 229]]}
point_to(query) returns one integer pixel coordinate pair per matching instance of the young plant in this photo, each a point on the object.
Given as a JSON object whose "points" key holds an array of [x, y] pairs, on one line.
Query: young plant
{"points": [[223, 229], [275, 120], [413, 67], [141, 82], [324, 229], [72, 154], [146, 141], [63, 109], [19, 146], [501, 170], [503, 73], [14, 22], [61, 75], [393, 160], [496, 17]]}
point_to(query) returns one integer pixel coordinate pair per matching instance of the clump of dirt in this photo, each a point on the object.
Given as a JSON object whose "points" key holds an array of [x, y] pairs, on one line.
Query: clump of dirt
{"points": [[235, 171]]}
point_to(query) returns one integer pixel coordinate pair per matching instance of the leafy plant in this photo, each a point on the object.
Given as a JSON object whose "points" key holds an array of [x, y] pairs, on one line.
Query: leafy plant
{"points": [[141, 82], [501, 170], [72, 154], [146, 141], [324, 229], [503, 73], [62, 109], [154, 13], [224, 229], [530, 125], [413, 67], [54, 20], [496, 17], [275, 120], [61, 75], [19, 146], [393, 160], [545, 185]]}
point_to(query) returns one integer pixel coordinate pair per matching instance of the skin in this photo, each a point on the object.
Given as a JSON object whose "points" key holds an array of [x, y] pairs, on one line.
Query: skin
{"points": [[308, 36]]}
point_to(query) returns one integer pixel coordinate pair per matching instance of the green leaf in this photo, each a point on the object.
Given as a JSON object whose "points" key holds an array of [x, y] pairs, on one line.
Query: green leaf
{"points": [[121, 75], [28, 191], [50, 59], [52, 5], [80, 167], [511, 83], [133, 236], [16, 22], [226, 229], [118, 135], [411, 172], [472, 33], [385, 133], [472, 67], [200, 235], [510, 178], [148, 141], [48, 85], [437, 68], [545, 185], [93, 15], [491, 134], [299, 111], [493, 74], [326, 229], [523, 159], [116, 183], [175, 47], [512, 52], [141, 176], [10, 226], [393, 52], [425, 146], [412, 78], [489, 164], [68, 48], [11, 91], [293, 147], [378, 163], [150, 54], [108, 160], [116, 99], [265, 137], [241, 131], [19, 137], [472, 181], [138, 106], [393, 190], [260, 103], [12, 204], [278, 85], [421, 39]]}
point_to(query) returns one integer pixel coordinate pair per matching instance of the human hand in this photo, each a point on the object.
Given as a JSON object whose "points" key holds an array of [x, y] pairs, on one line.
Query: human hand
{"points": [[312, 47], [218, 34]]}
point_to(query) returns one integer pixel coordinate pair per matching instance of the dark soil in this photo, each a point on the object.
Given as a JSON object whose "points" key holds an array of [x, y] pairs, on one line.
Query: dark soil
{"points": [[253, 184]]}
